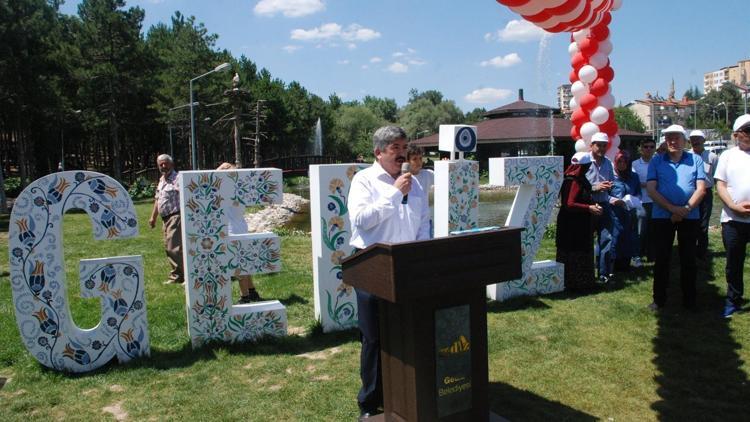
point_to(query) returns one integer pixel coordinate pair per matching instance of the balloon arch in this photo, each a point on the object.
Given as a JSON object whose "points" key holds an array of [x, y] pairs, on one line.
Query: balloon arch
{"points": [[590, 46]]}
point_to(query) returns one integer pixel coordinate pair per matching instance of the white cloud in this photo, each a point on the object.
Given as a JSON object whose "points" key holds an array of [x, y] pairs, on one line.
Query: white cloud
{"points": [[520, 31], [399, 54], [398, 67], [490, 37], [487, 95], [291, 48], [351, 46], [343, 62], [417, 62], [507, 60], [289, 8], [365, 67], [332, 33], [375, 59]]}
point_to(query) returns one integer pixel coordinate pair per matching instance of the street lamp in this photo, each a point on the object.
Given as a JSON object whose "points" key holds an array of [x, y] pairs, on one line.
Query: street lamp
{"points": [[193, 142]]}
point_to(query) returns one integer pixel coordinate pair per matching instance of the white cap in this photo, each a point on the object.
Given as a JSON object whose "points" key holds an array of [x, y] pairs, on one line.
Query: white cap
{"points": [[742, 122], [600, 137], [675, 129], [581, 158], [698, 133]]}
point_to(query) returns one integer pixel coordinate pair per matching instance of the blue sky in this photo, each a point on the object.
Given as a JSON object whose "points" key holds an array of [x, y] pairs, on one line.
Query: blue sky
{"points": [[476, 52]]}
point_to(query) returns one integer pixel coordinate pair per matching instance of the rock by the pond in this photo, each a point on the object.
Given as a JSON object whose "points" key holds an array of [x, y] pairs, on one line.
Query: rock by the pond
{"points": [[273, 216]]}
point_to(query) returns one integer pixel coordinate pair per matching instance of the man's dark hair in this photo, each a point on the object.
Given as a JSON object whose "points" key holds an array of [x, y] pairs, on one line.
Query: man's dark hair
{"points": [[412, 150]]}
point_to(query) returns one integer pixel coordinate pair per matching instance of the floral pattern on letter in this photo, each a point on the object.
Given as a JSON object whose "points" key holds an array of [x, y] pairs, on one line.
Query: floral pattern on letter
{"points": [[335, 301], [456, 205], [38, 274], [539, 180], [212, 257]]}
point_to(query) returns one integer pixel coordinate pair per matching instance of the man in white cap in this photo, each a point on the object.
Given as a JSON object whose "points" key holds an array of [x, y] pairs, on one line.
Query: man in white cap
{"points": [[640, 166], [710, 160], [733, 185], [676, 184], [601, 175]]}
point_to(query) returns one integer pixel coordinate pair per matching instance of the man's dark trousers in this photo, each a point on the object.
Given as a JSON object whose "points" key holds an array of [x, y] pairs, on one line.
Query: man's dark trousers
{"points": [[370, 396], [687, 233]]}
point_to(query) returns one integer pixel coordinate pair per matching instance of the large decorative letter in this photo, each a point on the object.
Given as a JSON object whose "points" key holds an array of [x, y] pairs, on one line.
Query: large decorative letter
{"points": [[38, 274], [212, 256], [456, 196], [538, 180], [335, 302]]}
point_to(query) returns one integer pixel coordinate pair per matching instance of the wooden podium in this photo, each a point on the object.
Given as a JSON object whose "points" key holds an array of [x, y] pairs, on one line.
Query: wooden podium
{"points": [[433, 319]]}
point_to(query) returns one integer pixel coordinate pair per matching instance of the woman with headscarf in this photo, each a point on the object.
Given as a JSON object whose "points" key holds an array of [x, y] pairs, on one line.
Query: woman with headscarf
{"points": [[575, 237], [626, 186]]}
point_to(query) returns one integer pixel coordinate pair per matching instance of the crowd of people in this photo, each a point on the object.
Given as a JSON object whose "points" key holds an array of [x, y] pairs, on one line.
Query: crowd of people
{"points": [[615, 216]]}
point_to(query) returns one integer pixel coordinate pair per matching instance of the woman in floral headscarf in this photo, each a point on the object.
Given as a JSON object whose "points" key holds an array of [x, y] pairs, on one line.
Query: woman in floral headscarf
{"points": [[625, 233], [575, 237]]}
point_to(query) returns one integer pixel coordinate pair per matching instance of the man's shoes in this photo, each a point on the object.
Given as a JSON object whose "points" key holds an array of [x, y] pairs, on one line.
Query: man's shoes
{"points": [[173, 282], [252, 296], [729, 310], [653, 307], [367, 414], [603, 279]]}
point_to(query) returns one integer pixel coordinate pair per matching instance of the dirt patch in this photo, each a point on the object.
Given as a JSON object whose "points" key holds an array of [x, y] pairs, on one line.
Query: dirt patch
{"points": [[116, 388], [116, 410], [296, 331], [323, 378], [89, 393], [274, 388], [321, 355]]}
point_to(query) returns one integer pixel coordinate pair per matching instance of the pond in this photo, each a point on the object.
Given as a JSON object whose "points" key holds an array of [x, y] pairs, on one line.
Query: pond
{"points": [[494, 207]]}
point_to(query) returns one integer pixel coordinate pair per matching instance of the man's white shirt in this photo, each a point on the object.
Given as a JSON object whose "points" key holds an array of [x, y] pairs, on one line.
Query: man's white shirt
{"points": [[377, 215]]}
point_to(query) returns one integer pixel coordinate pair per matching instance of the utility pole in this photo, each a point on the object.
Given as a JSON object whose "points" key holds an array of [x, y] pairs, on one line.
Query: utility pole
{"points": [[256, 155]]}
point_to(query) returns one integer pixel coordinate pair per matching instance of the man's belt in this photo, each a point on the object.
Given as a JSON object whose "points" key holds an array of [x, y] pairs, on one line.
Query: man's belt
{"points": [[168, 216]]}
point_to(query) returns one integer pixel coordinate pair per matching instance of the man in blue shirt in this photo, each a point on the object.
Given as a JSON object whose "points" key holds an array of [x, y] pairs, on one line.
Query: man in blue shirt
{"points": [[601, 175], [676, 183]]}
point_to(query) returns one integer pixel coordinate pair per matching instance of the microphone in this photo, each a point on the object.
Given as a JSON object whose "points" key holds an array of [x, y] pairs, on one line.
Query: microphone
{"points": [[405, 168]]}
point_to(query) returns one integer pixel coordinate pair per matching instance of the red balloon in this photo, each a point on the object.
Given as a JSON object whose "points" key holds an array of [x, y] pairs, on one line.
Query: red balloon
{"points": [[606, 19], [565, 8], [575, 133], [599, 87], [588, 46], [573, 76], [539, 17], [579, 117], [588, 102], [513, 3], [578, 61], [609, 127], [607, 73], [612, 116], [600, 32]]}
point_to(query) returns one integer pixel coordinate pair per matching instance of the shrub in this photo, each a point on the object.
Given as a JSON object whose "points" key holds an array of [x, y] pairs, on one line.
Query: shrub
{"points": [[142, 189], [13, 187]]}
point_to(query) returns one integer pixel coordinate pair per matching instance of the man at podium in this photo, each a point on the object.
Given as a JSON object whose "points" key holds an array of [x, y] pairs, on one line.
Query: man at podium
{"points": [[386, 204]]}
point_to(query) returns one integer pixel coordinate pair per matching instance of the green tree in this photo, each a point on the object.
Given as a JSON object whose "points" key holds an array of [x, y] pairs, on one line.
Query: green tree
{"points": [[426, 112], [628, 120], [719, 108], [353, 131], [475, 116], [692, 93], [385, 108]]}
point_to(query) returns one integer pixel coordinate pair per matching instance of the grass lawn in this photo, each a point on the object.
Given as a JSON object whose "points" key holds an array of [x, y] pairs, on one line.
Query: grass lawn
{"points": [[560, 357]]}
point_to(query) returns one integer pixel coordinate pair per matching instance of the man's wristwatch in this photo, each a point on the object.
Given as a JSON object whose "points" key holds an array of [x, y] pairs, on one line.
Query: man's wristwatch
{"points": [[687, 207]]}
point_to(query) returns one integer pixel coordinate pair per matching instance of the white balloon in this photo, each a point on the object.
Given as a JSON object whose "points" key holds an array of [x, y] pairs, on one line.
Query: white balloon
{"points": [[615, 141], [587, 74], [588, 130], [581, 146], [616, 4], [605, 47], [573, 48], [573, 104], [579, 89], [599, 60], [580, 35], [607, 101], [599, 115], [611, 152]]}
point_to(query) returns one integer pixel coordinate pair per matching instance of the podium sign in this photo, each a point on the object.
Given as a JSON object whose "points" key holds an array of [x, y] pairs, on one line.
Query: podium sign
{"points": [[433, 319]]}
